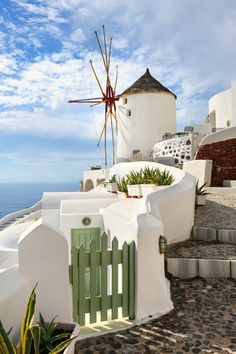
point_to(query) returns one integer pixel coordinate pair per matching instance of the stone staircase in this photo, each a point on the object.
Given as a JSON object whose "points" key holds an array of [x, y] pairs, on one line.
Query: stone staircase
{"points": [[210, 253], [13, 221]]}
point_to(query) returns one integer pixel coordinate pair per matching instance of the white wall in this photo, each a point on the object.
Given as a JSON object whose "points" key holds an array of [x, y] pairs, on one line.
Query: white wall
{"points": [[44, 259], [152, 288], [51, 203], [174, 206], [225, 134], [95, 176], [233, 89], [73, 211], [182, 148], [152, 114], [201, 170], [222, 105], [14, 293]]}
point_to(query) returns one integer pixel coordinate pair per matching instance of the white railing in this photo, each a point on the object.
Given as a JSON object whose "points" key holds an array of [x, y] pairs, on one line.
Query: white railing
{"points": [[21, 213]]}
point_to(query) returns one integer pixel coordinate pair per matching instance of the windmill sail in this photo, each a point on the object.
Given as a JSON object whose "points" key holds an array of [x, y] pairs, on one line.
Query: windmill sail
{"points": [[108, 98]]}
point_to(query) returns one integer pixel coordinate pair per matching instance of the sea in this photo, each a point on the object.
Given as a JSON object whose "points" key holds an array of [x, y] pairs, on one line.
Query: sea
{"points": [[17, 196]]}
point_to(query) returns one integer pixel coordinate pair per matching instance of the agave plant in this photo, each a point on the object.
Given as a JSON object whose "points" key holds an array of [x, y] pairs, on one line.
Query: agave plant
{"points": [[29, 334], [122, 185], [135, 177], [200, 190], [164, 178]]}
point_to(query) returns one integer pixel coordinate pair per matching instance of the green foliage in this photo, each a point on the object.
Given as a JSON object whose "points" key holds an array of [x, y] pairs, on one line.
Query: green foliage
{"points": [[164, 178], [200, 190], [112, 179], [48, 338], [122, 185], [27, 333], [135, 177], [37, 334], [150, 176]]}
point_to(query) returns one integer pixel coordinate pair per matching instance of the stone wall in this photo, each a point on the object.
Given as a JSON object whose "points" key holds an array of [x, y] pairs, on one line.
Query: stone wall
{"points": [[223, 155], [181, 148]]}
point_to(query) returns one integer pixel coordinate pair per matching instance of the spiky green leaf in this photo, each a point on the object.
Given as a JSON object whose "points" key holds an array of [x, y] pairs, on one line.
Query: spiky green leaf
{"points": [[35, 333], [5, 342]]}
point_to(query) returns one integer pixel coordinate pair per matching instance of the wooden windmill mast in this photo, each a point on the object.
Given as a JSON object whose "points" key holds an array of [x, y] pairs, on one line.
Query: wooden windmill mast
{"points": [[109, 97]]}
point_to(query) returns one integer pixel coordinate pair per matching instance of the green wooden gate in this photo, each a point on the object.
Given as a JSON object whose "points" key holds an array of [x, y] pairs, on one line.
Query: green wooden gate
{"points": [[103, 258]]}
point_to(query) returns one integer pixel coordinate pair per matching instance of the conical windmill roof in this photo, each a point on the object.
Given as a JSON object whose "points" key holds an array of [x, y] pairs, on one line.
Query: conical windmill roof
{"points": [[146, 83]]}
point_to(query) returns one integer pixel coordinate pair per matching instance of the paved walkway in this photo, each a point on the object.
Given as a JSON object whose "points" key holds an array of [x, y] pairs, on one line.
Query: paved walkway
{"points": [[201, 249], [219, 212], [203, 322]]}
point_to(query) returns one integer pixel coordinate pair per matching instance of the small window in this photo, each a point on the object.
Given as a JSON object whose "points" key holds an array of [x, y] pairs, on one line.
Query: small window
{"points": [[129, 112], [125, 100]]}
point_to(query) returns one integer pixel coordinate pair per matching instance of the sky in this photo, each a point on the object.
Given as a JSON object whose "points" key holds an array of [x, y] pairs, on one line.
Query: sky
{"points": [[45, 49]]}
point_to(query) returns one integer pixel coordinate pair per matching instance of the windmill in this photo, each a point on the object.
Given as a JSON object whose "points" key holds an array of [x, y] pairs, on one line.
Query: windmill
{"points": [[109, 96]]}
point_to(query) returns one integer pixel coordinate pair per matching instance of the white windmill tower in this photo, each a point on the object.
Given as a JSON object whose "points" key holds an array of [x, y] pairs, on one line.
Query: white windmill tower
{"points": [[146, 111]]}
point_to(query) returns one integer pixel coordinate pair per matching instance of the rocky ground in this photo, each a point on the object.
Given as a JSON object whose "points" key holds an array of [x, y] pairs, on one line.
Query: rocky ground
{"points": [[203, 321], [219, 212]]}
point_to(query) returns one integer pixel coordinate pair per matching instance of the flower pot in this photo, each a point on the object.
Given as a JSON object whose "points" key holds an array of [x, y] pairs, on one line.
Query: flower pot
{"points": [[111, 187], [121, 195], [200, 199], [135, 190], [149, 188], [70, 327]]}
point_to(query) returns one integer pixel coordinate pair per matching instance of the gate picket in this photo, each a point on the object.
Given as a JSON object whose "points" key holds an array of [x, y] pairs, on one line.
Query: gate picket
{"points": [[81, 285], [115, 301], [93, 282], [104, 263], [125, 281], [88, 262]]}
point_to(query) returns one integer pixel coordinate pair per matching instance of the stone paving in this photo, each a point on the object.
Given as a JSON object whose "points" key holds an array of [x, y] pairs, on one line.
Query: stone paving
{"points": [[204, 315], [219, 212], [203, 321], [201, 249]]}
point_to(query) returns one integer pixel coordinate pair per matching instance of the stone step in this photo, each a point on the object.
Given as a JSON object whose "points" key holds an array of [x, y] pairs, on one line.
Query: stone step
{"points": [[186, 268], [190, 259], [211, 234]]}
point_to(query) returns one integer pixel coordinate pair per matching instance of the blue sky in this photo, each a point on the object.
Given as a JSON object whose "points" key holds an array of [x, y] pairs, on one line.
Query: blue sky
{"points": [[45, 48]]}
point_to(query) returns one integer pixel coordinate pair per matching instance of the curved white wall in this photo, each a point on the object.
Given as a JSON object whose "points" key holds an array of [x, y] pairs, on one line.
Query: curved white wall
{"points": [[225, 134], [152, 115], [173, 206], [222, 105]]}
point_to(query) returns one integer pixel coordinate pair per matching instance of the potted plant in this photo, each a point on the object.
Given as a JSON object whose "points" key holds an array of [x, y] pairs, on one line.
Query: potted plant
{"points": [[148, 180], [200, 194], [135, 180], [111, 184], [122, 188], [31, 335]]}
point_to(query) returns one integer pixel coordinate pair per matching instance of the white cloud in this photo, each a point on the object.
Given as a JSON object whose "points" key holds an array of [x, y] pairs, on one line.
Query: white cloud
{"points": [[78, 36]]}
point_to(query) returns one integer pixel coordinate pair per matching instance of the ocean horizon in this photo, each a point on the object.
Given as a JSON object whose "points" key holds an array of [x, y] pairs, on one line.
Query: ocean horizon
{"points": [[17, 196]]}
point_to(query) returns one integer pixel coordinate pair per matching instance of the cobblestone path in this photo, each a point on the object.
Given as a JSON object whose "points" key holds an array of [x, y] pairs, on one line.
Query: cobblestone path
{"points": [[203, 321], [219, 212]]}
